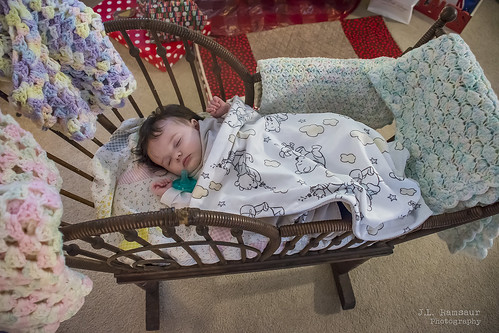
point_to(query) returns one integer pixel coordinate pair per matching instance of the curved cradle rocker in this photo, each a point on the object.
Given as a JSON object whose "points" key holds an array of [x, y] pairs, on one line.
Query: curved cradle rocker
{"points": [[129, 266]]}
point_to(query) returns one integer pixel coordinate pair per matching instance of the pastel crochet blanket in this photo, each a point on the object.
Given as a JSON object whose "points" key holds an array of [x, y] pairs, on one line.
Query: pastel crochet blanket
{"points": [[63, 67], [37, 290]]}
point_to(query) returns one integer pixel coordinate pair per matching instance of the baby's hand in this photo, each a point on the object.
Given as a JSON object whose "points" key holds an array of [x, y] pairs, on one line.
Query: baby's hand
{"points": [[217, 107], [160, 186]]}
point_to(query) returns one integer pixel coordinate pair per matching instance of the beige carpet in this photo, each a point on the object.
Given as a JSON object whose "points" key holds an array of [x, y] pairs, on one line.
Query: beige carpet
{"points": [[391, 291], [325, 39]]}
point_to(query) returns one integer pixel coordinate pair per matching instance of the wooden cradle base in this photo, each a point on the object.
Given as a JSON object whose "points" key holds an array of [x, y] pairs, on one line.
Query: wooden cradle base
{"points": [[86, 249], [342, 261], [340, 271]]}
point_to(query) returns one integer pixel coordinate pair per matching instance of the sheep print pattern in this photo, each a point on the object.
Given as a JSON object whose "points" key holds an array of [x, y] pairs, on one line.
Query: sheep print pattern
{"points": [[293, 163]]}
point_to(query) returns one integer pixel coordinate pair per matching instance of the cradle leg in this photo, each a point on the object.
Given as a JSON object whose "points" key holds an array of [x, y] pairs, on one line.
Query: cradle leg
{"points": [[345, 290], [152, 306], [343, 284]]}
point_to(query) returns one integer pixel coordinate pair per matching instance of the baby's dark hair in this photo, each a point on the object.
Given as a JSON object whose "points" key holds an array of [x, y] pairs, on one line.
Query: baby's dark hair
{"points": [[150, 129]]}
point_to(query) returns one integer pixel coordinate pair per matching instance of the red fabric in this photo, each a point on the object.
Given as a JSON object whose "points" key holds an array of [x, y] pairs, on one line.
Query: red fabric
{"points": [[370, 37], [235, 17], [434, 7], [233, 85], [184, 13], [174, 50]]}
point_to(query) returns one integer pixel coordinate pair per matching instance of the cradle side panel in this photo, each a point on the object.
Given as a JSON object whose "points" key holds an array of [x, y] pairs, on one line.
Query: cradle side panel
{"points": [[273, 263]]}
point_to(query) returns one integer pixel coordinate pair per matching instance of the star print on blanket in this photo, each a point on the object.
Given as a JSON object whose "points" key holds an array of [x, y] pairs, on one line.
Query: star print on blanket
{"points": [[293, 163]]}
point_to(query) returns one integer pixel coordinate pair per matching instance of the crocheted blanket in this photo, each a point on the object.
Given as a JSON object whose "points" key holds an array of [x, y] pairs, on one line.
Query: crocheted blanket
{"points": [[316, 85], [447, 116], [37, 290], [63, 67]]}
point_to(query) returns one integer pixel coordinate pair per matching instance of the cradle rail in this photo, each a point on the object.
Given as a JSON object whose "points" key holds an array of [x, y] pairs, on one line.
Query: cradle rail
{"points": [[188, 37], [166, 219], [147, 273], [448, 14]]}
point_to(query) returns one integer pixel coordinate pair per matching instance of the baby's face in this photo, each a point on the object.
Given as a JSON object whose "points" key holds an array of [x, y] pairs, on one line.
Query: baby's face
{"points": [[178, 147]]}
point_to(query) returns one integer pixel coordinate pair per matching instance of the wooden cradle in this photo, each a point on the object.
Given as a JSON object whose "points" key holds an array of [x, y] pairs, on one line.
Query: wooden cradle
{"points": [[86, 249]]}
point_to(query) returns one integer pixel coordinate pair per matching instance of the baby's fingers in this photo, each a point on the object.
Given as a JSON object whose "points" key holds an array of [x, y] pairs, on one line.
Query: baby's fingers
{"points": [[213, 104], [217, 100]]}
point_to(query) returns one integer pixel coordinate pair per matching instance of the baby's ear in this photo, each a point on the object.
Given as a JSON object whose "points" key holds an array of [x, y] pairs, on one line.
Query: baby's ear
{"points": [[195, 123]]}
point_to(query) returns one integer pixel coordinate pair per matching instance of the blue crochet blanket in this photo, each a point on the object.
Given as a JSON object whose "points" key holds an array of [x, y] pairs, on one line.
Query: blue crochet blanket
{"points": [[317, 85], [447, 116]]}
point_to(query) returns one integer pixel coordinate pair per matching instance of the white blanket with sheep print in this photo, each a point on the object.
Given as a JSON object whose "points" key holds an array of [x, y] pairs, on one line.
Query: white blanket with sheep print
{"points": [[288, 164]]}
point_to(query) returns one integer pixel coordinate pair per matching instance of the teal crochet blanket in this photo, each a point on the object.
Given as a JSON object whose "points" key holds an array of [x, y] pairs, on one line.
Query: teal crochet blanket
{"points": [[316, 85], [447, 116]]}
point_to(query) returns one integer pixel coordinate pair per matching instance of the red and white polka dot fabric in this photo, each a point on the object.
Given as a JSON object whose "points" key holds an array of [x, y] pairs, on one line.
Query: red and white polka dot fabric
{"points": [[174, 50]]}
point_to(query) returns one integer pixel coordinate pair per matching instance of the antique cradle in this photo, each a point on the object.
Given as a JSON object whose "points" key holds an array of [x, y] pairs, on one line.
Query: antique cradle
{"points": [[86, 249]]}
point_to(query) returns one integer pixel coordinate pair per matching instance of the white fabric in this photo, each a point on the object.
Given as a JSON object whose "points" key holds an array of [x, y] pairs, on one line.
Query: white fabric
{"points": [[208, 131], [398, 10], [291, 163], [175, 198]]}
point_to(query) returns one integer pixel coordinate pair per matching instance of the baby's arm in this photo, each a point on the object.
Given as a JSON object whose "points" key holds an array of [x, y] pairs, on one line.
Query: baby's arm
{"points": [[217, 107], [160, 186]]}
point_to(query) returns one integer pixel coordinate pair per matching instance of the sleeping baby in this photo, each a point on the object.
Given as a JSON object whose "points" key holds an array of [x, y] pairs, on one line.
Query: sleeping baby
{"points": [[176, 139], [171, 139], [291, 165]]}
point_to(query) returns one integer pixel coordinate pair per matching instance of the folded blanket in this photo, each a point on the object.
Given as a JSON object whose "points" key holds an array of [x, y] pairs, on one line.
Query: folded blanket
{"points": [[292, 163], [63, 67], [447, 116], [37, 290], [316, 85]]}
